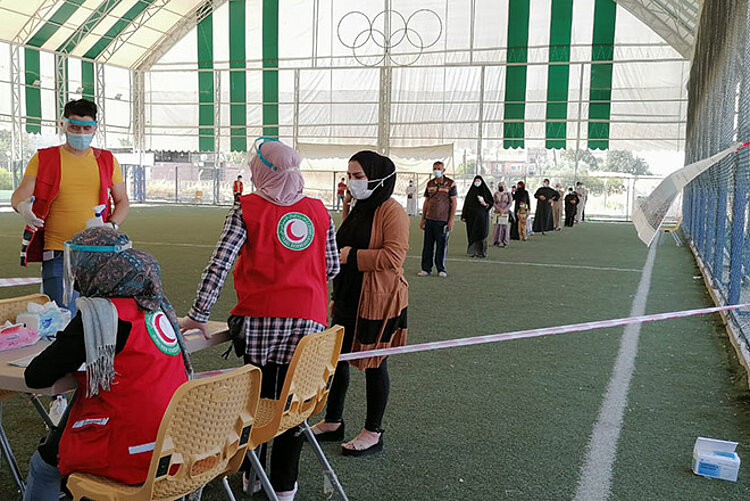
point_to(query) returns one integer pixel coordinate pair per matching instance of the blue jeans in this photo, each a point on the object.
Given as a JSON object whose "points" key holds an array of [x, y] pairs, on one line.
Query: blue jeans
{"points": [[435, 242], [52, 282], [43, 482]]}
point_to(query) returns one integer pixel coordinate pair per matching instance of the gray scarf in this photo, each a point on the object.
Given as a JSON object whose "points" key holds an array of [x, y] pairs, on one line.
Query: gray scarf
{"points": [[99, 318]]}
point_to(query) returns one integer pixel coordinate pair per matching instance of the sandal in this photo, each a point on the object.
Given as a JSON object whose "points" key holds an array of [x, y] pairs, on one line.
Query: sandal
{"points": [[356, 452], [336, 435]]}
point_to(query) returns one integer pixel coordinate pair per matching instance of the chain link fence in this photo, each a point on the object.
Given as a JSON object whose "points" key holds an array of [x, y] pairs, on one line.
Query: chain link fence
{"points": [[715, 204]]}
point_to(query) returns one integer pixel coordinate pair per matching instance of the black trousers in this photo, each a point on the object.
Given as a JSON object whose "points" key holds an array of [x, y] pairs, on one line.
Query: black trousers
{"points": [[287, 446], [435, 242], [377, 387], [570, 217]]}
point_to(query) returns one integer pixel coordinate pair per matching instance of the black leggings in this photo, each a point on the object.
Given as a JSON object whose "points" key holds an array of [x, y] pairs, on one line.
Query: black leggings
{"points": [[377, 386], [287, 446]]}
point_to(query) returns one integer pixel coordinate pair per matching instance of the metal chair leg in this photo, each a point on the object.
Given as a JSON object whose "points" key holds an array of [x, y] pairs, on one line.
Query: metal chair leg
{"points": [[264, 481], [12, 463], [327, 469], [227, 489]]}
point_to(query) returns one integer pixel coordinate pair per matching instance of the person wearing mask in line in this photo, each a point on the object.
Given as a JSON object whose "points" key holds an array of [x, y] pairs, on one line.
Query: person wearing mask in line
{"points": [[571, 205], [285, 251], [58, 191], [583, 196], [126, 332], [502, 205], [543, 219], [369, 297], [520, 196], [440, 201], [557, 207], [476, 215], [411, 199], [340, 193]]}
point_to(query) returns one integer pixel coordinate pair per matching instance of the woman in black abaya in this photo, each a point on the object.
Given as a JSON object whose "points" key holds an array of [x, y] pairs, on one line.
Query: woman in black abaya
{"points": [[476, 214]]}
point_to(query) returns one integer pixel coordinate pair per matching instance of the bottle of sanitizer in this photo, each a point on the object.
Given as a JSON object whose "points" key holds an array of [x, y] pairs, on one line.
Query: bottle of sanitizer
{"points": [[97, 219]]}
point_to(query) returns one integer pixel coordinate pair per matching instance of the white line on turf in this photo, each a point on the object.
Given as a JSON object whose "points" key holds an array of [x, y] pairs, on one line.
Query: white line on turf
{"points": [[544, 265], [595, 481], [450, 259]]}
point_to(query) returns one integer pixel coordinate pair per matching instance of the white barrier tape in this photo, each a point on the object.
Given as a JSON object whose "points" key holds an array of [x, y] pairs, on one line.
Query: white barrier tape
{"points": [[547, 331], [10, 282]]}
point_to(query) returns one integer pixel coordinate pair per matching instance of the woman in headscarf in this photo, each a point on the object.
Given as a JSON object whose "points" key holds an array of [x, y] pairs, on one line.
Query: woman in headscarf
{"points": [[127, 334], [286, 243], [476, 215], [521, 196], [369, 296]]}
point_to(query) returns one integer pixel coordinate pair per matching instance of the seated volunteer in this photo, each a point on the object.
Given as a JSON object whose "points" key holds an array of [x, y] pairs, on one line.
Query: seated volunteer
{"points": [[66, 182], [127, 334], [369, 296], [286, 243]]}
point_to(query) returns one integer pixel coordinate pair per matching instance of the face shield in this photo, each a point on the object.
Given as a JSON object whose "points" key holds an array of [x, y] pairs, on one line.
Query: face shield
{"points": [[76, 259]]}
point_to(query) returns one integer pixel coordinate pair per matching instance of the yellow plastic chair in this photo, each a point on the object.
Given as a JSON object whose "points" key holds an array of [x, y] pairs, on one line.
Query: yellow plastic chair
{"points": [[204, 433], [671, 225], [304, 394], [9, 308]]}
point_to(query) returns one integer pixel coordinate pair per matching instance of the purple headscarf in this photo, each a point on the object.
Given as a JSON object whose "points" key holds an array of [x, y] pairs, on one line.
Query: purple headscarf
{"points": [[282, 185]]}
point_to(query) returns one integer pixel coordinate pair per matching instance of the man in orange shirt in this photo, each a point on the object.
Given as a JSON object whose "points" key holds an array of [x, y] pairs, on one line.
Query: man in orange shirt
{"points": [[73, 178]]}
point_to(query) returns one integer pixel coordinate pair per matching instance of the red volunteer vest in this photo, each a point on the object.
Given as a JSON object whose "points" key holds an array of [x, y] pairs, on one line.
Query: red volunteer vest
{"points": [[237, 187], [281, 270], [46, 189], [112, 434]]}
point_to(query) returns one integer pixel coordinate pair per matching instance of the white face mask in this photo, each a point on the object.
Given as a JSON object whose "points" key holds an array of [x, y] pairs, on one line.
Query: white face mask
{"points": [[359, 190], [438, 173]]}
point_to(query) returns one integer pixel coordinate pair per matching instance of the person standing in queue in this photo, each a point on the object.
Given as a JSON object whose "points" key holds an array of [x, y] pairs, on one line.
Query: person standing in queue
{"points": [[370, 296], [440, 201], [476, 215], [285, 247], [520, 197]]}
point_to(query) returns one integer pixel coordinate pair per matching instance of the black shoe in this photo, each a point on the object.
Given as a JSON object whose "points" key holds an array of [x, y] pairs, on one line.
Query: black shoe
{"points": [[373, 449], [336, 435]]}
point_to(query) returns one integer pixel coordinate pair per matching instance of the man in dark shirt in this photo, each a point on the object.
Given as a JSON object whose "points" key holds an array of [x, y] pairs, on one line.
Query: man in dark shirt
{"points": [[437, 219]]}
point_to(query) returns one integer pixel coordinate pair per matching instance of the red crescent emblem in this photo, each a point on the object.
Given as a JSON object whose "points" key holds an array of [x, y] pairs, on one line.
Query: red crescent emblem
{"points": [[289, 230], [165, 330]]}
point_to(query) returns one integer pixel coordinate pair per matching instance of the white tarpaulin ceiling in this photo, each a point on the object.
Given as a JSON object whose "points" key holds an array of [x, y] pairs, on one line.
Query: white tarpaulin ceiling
{"points": [[481, 74]]}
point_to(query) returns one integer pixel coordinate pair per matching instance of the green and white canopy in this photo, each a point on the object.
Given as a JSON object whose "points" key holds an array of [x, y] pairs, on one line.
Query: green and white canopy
{"points": [[480, 74]]}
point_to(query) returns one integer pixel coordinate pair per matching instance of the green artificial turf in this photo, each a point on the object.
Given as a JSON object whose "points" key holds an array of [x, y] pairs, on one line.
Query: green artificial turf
{"points": [[502, 421]]}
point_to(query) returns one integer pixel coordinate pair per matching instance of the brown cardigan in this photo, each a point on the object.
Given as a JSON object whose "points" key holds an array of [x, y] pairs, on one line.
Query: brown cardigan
{"points": [[384, 288]]}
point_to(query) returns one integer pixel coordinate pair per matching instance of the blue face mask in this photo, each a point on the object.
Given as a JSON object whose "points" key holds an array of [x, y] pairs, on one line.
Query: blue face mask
{"points": [[79, 141]]}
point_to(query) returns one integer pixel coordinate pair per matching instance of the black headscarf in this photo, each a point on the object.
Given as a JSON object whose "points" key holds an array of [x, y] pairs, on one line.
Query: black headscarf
{"points": [[131, 273], [471, 202], [521, 196], [376, 167]]}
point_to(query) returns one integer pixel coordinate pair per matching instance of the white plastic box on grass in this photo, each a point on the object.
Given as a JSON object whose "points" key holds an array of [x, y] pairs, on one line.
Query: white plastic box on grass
{"points": [[716, 459]]}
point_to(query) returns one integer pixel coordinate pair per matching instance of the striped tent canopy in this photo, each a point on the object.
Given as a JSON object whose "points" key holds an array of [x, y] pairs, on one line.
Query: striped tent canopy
{"points": [[516, 73]]}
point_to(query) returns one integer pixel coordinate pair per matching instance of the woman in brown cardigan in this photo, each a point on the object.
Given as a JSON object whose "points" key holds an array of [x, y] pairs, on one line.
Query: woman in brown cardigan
{"points": [[369, 296]]}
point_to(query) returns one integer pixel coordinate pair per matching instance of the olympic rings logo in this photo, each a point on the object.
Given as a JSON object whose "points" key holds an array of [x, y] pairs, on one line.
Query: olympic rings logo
{"points": [[371, 46]]}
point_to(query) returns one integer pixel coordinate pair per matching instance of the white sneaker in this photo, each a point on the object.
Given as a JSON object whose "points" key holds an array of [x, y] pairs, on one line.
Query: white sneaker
{"points": [[442, 274], [287, 495], [423, 274]]}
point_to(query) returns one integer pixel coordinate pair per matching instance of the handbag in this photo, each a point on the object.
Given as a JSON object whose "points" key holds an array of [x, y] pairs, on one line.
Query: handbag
{"points": [[236, 324], [502, 218]]}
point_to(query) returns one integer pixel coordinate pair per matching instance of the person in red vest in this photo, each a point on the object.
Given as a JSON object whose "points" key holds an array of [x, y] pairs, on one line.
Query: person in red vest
{"points": [[237, 188], [340, 193], [127, 334], [285, 247], [58, 191]]}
